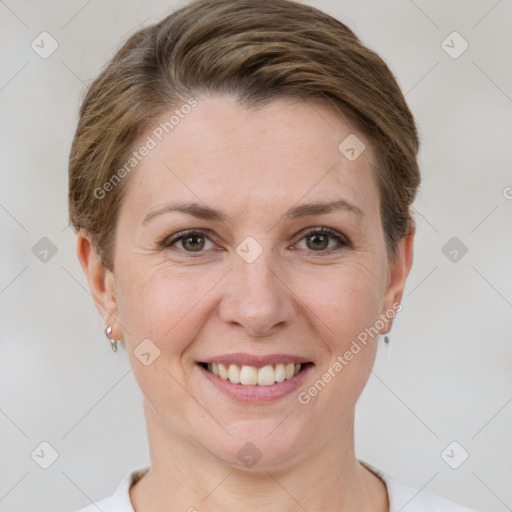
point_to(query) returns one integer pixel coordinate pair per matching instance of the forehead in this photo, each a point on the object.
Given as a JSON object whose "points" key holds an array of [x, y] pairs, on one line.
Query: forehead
{"points": [[271, 155]]}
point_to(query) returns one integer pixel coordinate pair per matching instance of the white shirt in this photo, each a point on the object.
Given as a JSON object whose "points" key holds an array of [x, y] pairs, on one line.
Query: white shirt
{"points": [[402, 498]]}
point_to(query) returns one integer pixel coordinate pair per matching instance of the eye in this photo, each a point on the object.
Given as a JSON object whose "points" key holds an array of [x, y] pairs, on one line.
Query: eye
{"points": [[319, 240], [190, 241]]}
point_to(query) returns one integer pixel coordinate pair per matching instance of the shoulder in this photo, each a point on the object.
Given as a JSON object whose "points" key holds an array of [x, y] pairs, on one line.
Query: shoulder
{"points": [[120, 500], [408, 499], [405, 498]]}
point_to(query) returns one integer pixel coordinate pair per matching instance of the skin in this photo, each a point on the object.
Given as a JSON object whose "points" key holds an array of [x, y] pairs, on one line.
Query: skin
{"points": [[253, 165]]}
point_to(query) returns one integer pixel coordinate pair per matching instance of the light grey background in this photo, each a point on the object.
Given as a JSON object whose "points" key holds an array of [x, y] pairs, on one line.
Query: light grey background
{"points": [[448, 377]]}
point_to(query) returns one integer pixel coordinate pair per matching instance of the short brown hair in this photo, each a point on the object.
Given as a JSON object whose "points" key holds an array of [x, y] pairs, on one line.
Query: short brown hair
{"points": [[258, 51]]}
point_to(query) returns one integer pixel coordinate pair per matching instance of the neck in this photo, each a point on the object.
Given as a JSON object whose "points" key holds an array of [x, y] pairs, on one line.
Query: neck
{"points": [[184, 476]]}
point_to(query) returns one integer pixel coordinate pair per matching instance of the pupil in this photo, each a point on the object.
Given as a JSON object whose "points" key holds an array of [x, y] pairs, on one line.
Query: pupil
{"points": [[322, 239], [194, 246]]}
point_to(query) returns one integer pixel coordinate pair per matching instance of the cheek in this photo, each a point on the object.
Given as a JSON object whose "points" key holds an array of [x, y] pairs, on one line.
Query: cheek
{"points": [[346, 300], [162, 305], [345, 305]]}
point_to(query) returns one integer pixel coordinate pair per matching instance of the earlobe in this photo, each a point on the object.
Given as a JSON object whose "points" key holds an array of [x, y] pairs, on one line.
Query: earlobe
{"points": [[398, 272], [99, 278]]}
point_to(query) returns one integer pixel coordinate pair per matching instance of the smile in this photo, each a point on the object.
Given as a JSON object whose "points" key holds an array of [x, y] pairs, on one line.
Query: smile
{"points": [[252, 378], [246, 375]]}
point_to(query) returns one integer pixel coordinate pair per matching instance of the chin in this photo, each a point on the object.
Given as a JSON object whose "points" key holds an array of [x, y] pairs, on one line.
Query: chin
{"points": [[260, 445]]}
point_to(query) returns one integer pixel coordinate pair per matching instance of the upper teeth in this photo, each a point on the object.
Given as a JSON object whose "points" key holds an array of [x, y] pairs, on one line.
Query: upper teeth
{"points": [[251, 375]]}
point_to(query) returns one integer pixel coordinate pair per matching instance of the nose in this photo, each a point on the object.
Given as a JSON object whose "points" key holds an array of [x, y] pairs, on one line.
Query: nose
{"points": [[257, 297]]}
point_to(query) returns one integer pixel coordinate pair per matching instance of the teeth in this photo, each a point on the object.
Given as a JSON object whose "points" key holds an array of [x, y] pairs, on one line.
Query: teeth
{"points": [[280, 373], [234, 374], [266, 376], [248, 375], [251, 375], [289, 370], [223, 371]]}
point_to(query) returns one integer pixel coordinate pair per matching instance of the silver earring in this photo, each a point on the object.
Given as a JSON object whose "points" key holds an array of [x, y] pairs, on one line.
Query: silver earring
{"points": [[387, 350], [113, 342]]}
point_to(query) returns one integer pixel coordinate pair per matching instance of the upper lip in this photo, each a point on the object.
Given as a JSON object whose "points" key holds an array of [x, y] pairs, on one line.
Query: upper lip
{"points": [[255, 360]]}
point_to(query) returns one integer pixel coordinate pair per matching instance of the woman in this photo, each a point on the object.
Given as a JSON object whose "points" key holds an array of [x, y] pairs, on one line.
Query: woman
{"points": [[240, 181]]}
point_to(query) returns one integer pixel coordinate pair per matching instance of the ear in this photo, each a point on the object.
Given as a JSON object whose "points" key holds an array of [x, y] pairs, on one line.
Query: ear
{"points": [[398, 272], [100, 280]]}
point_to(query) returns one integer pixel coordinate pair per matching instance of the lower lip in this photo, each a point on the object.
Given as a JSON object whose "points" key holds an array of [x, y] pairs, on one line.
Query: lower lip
{"points": [[254, 394]]}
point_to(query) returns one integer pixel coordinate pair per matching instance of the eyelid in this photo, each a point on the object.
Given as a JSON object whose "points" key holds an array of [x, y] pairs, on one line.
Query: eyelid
{"points": [[170, 241], [342, 240]]}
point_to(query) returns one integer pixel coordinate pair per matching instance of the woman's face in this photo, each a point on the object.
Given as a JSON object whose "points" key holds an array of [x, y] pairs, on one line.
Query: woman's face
{"points": [[219, 260]]}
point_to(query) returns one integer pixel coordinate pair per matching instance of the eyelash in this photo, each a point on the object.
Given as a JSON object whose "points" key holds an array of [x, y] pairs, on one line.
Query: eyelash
{"points": [[343, 242]]}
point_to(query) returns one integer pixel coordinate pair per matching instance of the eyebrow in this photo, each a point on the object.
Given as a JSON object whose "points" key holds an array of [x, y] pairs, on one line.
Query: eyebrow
{"points": [[304, 210]]}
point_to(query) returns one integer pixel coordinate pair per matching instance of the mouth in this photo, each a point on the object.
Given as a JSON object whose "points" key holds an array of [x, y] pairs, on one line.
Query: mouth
{"points": [[254, 379], [246, 375]]}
